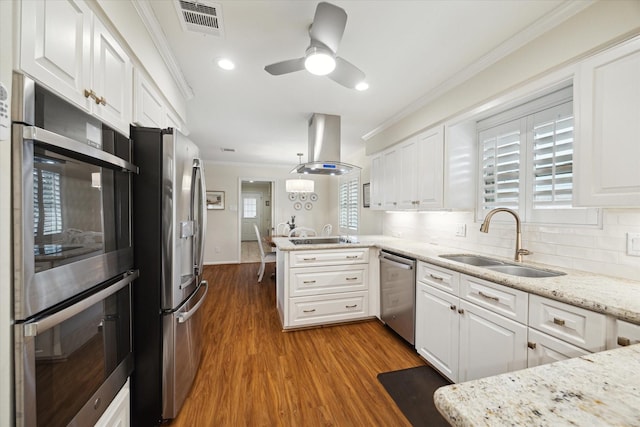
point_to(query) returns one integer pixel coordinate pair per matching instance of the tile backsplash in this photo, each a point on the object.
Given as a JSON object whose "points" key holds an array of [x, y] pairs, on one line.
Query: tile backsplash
{"points": [[601, 250]]}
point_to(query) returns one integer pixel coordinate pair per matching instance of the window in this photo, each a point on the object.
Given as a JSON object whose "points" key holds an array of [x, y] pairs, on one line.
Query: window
{"points": [[348, 203], [47, 203], [250, 207], [526, 162]]}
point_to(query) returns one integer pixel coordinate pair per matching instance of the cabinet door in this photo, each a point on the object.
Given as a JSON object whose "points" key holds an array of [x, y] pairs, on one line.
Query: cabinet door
{"points": [[391, 166], [148, 107], [408, 177], [55, 48], [437, 329], [118, 412], [607, 149], [377, 177], [112, 79], [626, 334], [490, 344], [543, 349], [430, 175]]}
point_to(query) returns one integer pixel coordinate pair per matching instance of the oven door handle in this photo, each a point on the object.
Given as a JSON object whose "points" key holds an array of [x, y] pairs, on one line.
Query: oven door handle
{"points": [[183, 317], [98, 157], [32, 329]]}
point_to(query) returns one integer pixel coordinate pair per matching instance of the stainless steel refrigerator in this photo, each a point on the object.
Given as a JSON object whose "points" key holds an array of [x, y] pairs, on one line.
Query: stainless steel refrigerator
{"points": [[169, 223]]}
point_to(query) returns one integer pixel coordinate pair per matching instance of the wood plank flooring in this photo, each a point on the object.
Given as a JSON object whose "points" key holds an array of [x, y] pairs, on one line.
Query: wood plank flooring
{"points": [[253, 374]]}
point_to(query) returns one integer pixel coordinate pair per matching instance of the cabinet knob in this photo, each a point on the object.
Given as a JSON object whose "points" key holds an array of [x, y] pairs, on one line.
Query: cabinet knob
{"points": [[101, 100], [452, 307], [460, 311], [531, 345], [89, 93]]}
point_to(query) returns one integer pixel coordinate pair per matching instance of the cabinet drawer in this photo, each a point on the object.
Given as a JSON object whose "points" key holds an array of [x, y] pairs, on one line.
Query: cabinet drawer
{"points": [[503, 300], [626, 334], [327, 308], [584, 328], [543, 349], [329, 257], [327, 280], [438, 277]]}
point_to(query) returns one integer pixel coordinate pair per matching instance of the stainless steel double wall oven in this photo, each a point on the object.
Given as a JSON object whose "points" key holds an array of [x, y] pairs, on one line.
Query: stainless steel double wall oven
{"points": [[73, 260]]}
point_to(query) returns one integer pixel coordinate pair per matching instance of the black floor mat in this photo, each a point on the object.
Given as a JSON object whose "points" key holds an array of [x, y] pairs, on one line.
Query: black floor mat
{"points": [[412, 390]]}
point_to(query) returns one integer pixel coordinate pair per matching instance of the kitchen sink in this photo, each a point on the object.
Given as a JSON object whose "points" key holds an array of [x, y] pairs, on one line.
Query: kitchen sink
{"points": [[476, 260], [502, 267]]}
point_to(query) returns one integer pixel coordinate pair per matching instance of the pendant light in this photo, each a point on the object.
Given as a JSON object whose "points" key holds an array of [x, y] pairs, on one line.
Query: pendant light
{"points": [[299, 185]]}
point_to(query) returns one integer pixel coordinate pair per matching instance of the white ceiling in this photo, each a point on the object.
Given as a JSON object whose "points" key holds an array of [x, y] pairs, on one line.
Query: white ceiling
{"points": [[407, 49]]}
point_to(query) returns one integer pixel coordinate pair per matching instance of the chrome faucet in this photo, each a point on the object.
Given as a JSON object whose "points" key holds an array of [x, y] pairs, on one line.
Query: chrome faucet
{"points": [[485, 229]]}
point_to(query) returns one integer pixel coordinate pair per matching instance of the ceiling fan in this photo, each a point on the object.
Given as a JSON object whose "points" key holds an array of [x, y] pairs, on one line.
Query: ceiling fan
{"points": [[320, 58]]}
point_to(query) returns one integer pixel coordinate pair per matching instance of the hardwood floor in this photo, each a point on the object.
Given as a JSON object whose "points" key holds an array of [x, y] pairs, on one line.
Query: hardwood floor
{"points": [[253, 374]]}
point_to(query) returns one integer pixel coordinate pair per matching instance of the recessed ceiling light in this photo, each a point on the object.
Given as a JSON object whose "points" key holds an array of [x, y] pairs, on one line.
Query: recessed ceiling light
{"points": [[226, 64], [362, 86]]}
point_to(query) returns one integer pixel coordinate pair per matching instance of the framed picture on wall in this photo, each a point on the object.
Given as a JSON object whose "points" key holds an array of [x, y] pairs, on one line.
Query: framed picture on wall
{"points": [[366, 195], [215, 200]]}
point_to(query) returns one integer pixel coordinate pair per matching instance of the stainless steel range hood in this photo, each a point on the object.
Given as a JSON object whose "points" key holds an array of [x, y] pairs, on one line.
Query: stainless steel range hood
{"points": [[324, 148]]}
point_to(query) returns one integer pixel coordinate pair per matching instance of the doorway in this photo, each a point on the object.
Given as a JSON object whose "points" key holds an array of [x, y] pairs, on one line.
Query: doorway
{"points": [[256, 207]]}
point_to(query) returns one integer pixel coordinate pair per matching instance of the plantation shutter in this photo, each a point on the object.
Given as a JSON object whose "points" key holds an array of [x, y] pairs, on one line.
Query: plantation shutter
{"points": [[552, 161], [348, 200], [47, 212], [500, 151]]}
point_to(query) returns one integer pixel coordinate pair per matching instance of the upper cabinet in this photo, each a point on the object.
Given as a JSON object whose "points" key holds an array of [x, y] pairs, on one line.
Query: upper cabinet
{"points": [[149, 107], [607, 101], [421, 171], [66, 48]]}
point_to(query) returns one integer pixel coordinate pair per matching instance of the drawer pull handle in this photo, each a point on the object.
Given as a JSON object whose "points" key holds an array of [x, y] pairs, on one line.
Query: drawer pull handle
{"points": [[436, 277], [309, 311], [622, 341], [351, 306], [309, 281], [531, 345], [351, 278], [309, 259], [482, 294], [452, 307], [558, 322], [352, 256]]}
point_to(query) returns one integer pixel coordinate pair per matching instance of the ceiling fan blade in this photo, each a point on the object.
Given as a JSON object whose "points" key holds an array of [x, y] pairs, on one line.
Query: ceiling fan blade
{"points": [[346, 74], [328, 25], [284, 67]]}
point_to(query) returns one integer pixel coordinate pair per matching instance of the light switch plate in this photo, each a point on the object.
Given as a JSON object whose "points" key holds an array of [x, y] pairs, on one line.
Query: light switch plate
{"points": [[633, 244]]}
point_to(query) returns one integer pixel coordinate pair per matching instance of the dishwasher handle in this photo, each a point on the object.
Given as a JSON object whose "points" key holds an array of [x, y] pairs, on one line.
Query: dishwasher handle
{"points": [[398, 264]]}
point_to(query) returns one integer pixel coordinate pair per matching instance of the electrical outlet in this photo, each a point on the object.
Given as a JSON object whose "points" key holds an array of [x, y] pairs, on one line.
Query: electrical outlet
{"points": [[461, 230], [633, 244]]}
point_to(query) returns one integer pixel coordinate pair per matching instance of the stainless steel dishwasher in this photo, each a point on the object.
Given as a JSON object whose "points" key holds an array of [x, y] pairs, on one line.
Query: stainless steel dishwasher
{"points": [[398, 293]]}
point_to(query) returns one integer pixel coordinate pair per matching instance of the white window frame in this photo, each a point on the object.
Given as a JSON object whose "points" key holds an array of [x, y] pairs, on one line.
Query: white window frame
{"points": [[522, 117]]}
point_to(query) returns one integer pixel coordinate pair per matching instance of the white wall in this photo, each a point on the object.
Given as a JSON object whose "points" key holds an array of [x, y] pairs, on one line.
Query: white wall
{"points": [[6, 347], [222, 238], [369, 221]]}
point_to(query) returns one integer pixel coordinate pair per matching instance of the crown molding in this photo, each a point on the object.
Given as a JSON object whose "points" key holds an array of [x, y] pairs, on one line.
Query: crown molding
{"points": [[533, 31], [143, 7]]}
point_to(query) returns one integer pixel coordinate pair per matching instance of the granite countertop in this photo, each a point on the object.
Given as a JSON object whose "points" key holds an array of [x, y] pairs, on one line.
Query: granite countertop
{"points": [[609, 295], [600, 389]]}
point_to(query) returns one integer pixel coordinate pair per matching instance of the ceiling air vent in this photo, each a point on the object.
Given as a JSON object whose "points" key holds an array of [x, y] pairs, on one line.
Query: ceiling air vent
{"points": [[200, 16]]}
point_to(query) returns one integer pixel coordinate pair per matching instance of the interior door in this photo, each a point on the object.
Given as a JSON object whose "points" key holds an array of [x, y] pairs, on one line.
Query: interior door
{"points": [[251, 214]]}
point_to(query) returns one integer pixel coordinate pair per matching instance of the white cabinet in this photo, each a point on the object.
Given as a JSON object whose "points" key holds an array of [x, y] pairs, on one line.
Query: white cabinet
{"points": [[430, 173], [543, 349], [391, 177], [625, 334], [66, 48], [607, 100], [407, 185], [376, 177], [118, 414], [461, 339], [323, 286], [149, 107]]}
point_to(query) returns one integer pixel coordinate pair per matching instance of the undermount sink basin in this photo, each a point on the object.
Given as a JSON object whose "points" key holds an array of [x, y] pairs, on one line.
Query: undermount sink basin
{"points": [[476, 260], [502, 267]]}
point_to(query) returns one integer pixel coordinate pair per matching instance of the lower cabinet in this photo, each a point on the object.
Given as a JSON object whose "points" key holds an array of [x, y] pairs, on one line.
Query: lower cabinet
{"points": [[625, 334], [543, 349], [118, 414], [323, 286]]}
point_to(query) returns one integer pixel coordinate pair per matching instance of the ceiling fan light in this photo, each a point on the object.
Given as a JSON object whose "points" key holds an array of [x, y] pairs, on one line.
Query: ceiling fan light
{"points": [[319, 62], [299, 185]]}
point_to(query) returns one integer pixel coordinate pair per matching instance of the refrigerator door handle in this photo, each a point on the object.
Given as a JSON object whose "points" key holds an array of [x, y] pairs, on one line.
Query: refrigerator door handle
{"points": [[183, 317], [198, 250]]}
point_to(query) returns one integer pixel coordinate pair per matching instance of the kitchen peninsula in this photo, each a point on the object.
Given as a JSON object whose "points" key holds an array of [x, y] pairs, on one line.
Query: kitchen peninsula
{"points": [[596, 389]]}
